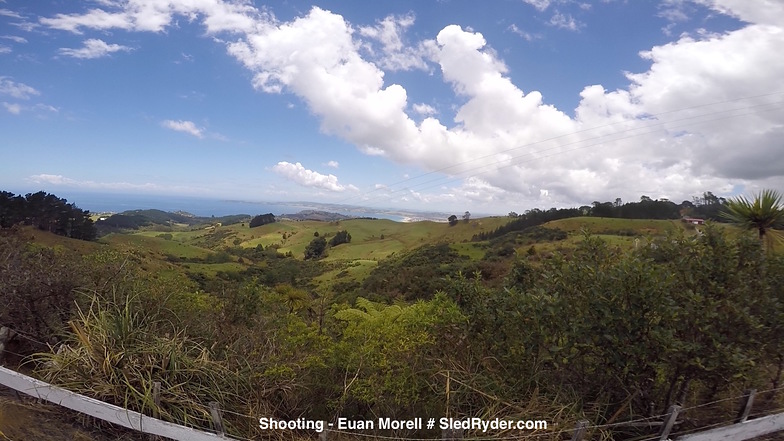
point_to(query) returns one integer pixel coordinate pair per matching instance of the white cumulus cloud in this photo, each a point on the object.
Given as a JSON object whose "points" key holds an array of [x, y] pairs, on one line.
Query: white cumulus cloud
{"points": [[16, 90], [63, 181], [526, 35], [309, 178], [13, 108], [706, 114], [14, 38], [564, 21], [539, 4], [424, 109], [94, 48], [9, 13], [157, 15], [394, 54], [188, 127]]}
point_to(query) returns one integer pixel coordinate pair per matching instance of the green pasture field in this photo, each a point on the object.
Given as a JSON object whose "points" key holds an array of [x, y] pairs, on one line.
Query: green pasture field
{"points": [[157, 245], [617, 227]]}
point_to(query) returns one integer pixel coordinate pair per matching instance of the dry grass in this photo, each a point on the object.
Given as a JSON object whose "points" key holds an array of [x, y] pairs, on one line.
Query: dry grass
{"points": [[116, 353]]}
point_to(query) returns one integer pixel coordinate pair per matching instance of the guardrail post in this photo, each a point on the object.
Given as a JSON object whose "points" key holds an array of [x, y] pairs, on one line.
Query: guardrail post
{"points": [[452, 434], [156, 399], [216, 418], [745, 406], [669, 421], [6, 334], [579, 430]]}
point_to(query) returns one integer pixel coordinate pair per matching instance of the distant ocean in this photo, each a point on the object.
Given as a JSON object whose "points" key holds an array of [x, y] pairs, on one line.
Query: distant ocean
{"points": [[105, 202]]}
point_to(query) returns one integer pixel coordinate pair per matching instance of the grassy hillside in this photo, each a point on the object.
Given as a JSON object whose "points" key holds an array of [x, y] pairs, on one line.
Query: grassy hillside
{"points": [[52, 240], [243, 311], [618, 227], [233, 252], [211, 248], [370, 239]]}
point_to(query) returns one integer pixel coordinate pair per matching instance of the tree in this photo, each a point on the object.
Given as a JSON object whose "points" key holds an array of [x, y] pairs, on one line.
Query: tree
{"points": [[512, 214], [339, 238], [762, 214], [46, 212], [262, 219], [602, 209], [316, 248], [710, 199], [466, 217], [452, 220]]}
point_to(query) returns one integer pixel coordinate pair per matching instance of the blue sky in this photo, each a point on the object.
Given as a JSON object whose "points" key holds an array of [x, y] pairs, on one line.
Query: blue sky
{"points": [[448, 105]]}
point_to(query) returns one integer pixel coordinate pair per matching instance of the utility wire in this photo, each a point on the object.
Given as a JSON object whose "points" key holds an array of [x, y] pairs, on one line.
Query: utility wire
{"points": [[514, 160], [653, 116]]}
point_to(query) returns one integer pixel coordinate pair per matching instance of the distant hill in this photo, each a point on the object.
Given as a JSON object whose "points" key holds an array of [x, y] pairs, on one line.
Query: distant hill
{"points": [[136, 219], [317, 215]]}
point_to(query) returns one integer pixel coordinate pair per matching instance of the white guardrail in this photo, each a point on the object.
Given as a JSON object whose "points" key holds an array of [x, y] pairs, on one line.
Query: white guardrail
{"points": [[99, 409], [743, 430]]}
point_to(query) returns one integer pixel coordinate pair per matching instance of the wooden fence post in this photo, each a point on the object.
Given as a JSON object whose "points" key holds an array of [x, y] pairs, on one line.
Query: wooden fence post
{"points": [[579, 430], [745, 406], [216, 418], [669, 421], [323, 435]]}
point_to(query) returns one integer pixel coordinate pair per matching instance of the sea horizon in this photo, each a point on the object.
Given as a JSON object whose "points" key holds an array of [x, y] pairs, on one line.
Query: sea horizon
{"points": [[207, 207]]}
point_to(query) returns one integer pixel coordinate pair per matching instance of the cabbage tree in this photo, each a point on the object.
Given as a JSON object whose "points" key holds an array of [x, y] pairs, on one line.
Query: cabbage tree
{"points": [[763, 214]]}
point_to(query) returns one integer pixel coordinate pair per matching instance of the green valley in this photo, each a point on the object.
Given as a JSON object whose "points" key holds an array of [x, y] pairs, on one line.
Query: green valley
{"points": [[557, 314]]}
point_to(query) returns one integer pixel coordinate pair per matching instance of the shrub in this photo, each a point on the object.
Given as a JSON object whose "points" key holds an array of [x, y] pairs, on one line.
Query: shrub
{"points": [[316, 248], [339, 238]]}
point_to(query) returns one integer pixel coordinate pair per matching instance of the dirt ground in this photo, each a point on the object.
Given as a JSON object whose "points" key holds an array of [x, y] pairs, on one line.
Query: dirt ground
{"points": [[27, 420]]}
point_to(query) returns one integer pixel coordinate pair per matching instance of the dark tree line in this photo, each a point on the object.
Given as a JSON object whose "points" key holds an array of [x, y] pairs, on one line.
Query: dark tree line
{"points": [[707, 207], [262, 219], [46, 212], [531, 218]]}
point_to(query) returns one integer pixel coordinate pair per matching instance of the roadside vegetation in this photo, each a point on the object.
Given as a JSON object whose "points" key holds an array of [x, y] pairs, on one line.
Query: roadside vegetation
{"points": [[533, 316]]}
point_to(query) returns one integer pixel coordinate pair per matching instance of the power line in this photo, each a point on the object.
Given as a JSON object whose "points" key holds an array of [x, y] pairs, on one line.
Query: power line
{"points": [[651, 116], [603, 139], [595, 144]]}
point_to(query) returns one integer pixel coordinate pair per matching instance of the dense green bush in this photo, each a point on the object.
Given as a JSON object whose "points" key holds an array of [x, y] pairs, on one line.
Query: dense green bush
{"points": [[262, 219], [339, 238], [680, 320], [599, 333], [37, 286], [415, 275], [316, 248]]}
